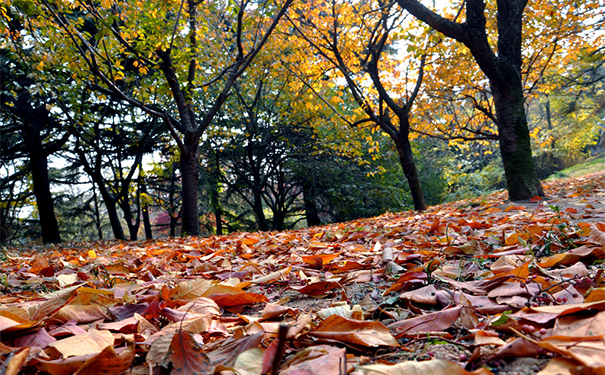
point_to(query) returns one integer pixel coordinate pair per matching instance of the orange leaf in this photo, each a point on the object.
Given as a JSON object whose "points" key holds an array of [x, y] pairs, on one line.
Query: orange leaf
{"points": [[231, 300], [319, 260], [492, 210]]}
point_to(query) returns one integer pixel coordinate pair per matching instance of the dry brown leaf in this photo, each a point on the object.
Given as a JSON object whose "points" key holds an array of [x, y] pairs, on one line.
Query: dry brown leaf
{"points": [[91, 342], [578, 326], [432, 322], [231, 348], [108, 362], [320, 359], [590, 351], [349, 331], [17, 361], [432, 367], [191, 289], [82, 313]]}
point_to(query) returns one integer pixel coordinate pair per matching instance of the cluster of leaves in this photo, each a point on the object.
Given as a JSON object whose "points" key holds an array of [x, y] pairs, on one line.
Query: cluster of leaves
{"points": [[457, 289]]}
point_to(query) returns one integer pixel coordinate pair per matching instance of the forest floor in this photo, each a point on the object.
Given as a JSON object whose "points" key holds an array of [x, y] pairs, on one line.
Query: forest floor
{"points": [[481, 286]]}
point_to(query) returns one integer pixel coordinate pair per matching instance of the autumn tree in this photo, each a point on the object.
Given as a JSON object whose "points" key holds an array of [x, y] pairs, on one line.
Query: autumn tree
{"points": [[358, 41], [502, 66], [567, 114], [459, 107], [189, 55]]}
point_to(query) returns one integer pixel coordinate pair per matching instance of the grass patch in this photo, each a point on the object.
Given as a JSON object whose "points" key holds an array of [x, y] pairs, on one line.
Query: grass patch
{"points": [[590, 165]]}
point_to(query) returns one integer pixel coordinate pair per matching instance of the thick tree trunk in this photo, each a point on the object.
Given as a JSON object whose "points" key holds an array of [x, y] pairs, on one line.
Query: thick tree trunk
{"points": [[190, 179], [515, 148]]}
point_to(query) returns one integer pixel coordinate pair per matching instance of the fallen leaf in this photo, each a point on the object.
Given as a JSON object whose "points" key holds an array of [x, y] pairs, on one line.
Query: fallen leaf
{"points": [[432, 367], [91, 342], [187, 356], [353, 332], [16, 361], [320, 359], [432, 322]]}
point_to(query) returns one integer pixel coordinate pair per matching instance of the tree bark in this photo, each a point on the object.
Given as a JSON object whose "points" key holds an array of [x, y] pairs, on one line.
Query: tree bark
{"points": [[515, 148], [133, 227], [503, 71]]}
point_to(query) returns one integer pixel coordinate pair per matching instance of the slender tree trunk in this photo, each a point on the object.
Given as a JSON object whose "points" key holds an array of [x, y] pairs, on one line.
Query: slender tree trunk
{"points": [[190, 178], [133, 228], [44, 199], [258, 209], [406, 158], [215, 199], [311, 212], [112, 213], [145, 210], [97, 214]]}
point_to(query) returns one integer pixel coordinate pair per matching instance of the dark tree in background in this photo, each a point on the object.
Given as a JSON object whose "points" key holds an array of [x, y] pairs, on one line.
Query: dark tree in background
{"points": [[26, 116]]}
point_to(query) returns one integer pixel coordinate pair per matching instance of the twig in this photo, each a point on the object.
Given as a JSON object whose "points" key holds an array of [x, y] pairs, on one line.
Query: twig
{"points": [[281, 346]]}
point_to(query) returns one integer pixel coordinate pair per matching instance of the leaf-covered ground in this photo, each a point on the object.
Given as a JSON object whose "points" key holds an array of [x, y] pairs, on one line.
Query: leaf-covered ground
{"points": [[479, 286]]}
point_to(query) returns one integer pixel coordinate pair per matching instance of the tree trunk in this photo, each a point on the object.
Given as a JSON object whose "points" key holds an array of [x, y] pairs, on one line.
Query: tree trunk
{"points": [[311, 212], [97, 214], [258, 210], [190, 178], [38, 166], [406, 158], [215, 199], [44, 199], [145, 211], [133, 228], [515, 148], [112, 213]]}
